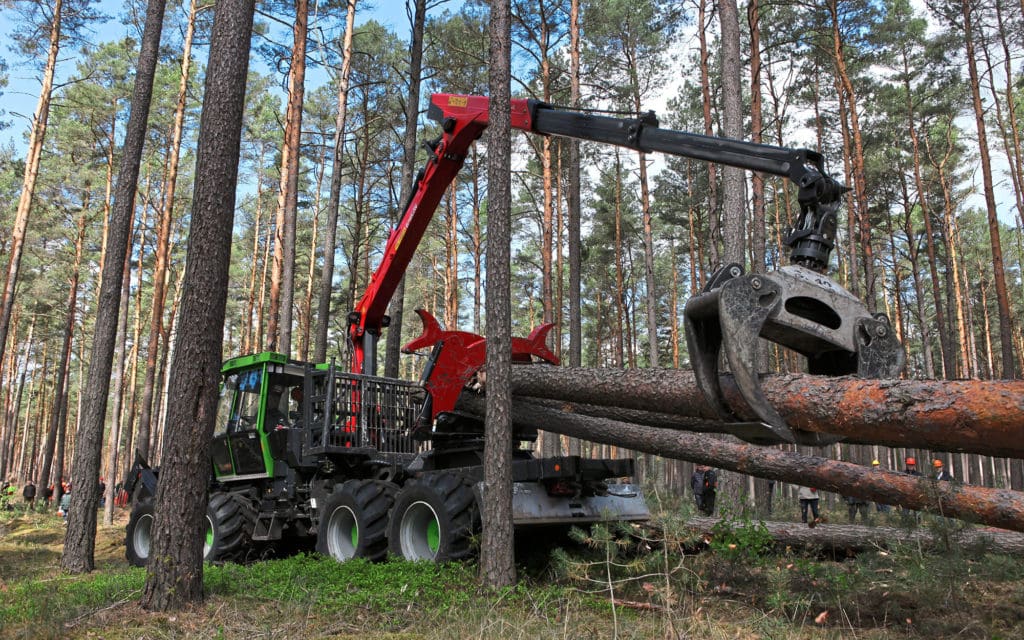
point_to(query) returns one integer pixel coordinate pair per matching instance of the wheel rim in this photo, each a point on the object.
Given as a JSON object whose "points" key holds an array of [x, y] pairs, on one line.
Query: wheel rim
{"points": [[342, 534], [142, 536], [208, 540], [420, 532]]}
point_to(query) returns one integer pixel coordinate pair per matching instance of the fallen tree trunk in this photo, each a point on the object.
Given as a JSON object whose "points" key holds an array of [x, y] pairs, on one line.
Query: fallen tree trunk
{"points": [[974, 416], [842, 538], [994, 507]]}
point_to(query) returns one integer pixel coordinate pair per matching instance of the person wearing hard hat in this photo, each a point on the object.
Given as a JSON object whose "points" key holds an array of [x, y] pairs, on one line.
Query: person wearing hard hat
{"points": [[880, 507], [912, 467], [940, 471]]}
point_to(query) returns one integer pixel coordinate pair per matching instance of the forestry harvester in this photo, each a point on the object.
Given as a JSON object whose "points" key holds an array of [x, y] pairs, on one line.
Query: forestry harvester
{"points": [[362, 465]]}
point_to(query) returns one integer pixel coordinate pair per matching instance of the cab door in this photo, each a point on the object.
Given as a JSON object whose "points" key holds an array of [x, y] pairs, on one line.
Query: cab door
{"points": [[237, 450]]}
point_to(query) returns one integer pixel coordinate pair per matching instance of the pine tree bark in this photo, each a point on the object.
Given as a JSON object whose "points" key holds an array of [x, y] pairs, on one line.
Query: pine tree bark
{"points": [[174, 579], [573, 198], [65, 356], [757, 218], [714, 221], [734, 214], [1002, 296], [282, 288], [80, 542], [497, 562], [859, 185]]}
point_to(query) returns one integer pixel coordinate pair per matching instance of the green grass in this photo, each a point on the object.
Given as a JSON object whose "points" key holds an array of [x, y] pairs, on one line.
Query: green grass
{"points": [[672, 584]]}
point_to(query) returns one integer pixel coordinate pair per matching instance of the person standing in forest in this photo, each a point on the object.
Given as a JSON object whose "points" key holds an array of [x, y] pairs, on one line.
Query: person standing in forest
{"points": [[880, 507], [29, 494], [704, 483], [911, 470], [809, 500], [854, 506], [912, 467], [940, 471]]}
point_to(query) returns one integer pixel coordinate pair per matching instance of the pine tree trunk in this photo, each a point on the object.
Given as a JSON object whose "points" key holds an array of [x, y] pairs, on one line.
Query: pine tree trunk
{"points": [[714, 227], [282, 288], [1002, 296], [323, 313], [573, 199], [163, 238], [497, 563], [175, 577], [734, 214], [79, 544], [397, 308], [37, 136]]}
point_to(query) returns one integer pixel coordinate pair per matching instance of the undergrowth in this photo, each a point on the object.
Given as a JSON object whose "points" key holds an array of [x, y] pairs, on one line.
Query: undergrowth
{"points": [[606, 581]]}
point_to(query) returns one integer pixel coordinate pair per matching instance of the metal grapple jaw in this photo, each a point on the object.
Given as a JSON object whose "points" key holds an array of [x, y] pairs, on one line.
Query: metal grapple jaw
{"points": [[797, 308]]}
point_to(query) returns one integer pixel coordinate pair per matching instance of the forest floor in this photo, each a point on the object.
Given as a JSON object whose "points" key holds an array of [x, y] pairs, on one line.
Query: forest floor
{"points": [[675, 584]]}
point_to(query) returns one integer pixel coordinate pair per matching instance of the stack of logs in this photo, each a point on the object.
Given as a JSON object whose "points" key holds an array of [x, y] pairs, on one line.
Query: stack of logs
{"points": [[662, 411]]}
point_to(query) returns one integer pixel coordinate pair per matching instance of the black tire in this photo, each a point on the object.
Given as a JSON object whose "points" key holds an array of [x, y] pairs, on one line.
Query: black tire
{"points": [[353, 520], [433, 519], [138, 538], [229, 523]]}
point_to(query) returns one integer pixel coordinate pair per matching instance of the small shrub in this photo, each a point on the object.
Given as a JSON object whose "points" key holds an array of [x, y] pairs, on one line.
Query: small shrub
{"points": [[740, 537]]}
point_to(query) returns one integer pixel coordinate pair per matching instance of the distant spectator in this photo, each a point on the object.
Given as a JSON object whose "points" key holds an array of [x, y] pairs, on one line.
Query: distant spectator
{"points": [[912, 467], [29, 494], [855, 506], [704, 483], [65, 503], [48, 495], [809, 500], [940, 471], [880, 507], [7, 491]]}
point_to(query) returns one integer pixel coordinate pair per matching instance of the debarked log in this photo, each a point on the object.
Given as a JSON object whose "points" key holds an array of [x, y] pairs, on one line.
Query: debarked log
{"points": [[973, 416], [995, 507], [855, 537]]}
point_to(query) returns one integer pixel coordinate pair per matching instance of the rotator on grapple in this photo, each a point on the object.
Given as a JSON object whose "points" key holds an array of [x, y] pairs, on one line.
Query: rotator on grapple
{"points": [[796, 306]]}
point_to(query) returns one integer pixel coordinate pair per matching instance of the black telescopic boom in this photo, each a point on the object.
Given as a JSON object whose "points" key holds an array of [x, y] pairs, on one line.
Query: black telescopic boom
{"points": [[811, 239]]}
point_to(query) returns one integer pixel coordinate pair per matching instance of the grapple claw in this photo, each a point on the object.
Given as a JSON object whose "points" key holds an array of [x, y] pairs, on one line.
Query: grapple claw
{"points": [[796, 308]]}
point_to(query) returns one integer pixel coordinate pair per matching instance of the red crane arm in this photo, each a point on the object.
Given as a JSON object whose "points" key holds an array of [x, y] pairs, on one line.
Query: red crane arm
{"points": [[463, 119]]}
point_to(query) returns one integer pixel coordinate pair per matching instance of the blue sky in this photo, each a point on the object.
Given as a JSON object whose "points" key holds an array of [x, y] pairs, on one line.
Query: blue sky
{"points": [[21, 95]]}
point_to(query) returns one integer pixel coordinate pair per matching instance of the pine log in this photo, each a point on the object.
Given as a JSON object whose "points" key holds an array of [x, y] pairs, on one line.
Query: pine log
{"points": [[994, 507], [841, 538], [973, 416]]}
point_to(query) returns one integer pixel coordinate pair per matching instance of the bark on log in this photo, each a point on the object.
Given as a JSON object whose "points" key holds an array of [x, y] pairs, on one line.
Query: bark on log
{"points": [[839, 538], [974, 416], [994, 507]]}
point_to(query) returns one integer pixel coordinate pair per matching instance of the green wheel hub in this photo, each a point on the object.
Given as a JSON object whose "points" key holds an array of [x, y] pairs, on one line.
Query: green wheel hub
{"points": [[420, 532]]}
